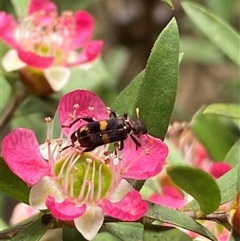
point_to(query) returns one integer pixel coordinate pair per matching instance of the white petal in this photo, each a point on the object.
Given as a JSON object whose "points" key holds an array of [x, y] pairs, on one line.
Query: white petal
{"points": [[122, 189], [90, 222], [39, 192], [57, 77], [73, 57], [11, 62]]}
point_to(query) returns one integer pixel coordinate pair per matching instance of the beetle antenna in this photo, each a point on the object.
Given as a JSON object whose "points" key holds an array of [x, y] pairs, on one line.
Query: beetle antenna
{"points": [[137, 112]]}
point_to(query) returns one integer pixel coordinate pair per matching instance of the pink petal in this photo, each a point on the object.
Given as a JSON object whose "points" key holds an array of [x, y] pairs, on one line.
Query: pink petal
{"points": [[34, 60], [170, 197], [89, 105], [219, 168], [130, 208], [146, 161], [90, 52], [45, 7], [8, 27], [20, 151], [84, 26], [65, 210]]}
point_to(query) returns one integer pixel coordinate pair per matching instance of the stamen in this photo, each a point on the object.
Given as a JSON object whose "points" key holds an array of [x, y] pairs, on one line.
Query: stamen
{"points": [[93, 175], [99, 193], [71, 194], [89, 183], [80, 196]]}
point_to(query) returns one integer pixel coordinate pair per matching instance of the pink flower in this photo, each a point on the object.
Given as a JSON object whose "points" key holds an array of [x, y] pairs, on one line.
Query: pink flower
{"points": [[77, 185], [47, 41]]}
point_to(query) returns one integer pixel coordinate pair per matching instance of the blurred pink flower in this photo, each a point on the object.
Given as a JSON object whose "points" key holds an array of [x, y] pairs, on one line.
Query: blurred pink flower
{"points": [[77, 185], [46, 41]]}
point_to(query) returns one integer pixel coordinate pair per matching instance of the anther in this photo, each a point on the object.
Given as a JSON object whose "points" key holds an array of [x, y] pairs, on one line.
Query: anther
{"points": [[90, 108], [48, 119], [76, 106], [147, 151]]}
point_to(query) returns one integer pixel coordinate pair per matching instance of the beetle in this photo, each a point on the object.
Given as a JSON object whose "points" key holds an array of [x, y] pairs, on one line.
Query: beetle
{"points": [[115, 129]]}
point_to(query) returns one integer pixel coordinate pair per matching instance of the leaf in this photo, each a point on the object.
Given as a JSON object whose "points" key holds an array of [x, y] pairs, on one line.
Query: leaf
{"points": [[124, 102], [163, 233], [233, 157], [20, 7], [218, 31], [12, 185], [5, 90], [156, 94], [214, 135], [169, 3], [227, 110], [178, 219], [34, 231], [125, 231], [198, 184], [227, 185], [72, 234]]}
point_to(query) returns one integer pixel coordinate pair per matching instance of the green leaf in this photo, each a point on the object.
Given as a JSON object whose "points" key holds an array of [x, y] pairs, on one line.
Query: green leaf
{"points": [[213, 134], [12, 185], [178, 219], [125, 100], [198, 184], [234, 236], [233, 157], [218, 31], [5, 90], [163, 233], [20, 7], [34, 231], [125, 231], [228, 110], [157, 92], [169, 3], [227, 185], [72, 234]]}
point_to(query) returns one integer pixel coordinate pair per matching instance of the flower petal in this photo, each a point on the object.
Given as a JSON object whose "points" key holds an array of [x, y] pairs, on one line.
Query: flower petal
{"points": [[120, 191], [11, 62], [170, 197], [45, 7], [89, 105], [219, 168], [130, 208], [90, 222], [34, 60], [39, 192], [90, 52], [84, 26], [147, 160], [57, 77], [65, 210], [20, 151], [8, 27]]}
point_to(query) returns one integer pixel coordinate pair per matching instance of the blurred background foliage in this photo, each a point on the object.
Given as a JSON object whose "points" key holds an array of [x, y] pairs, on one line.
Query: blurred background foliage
{"points": [[129, 29]]}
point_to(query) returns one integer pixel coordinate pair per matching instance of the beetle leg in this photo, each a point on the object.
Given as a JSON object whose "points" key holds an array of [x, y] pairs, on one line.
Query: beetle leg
{"points": [[87, 119], [136, 141]]}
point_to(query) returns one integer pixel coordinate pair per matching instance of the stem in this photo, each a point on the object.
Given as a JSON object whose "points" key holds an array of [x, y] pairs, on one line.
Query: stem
{"points": [[12, 105]]}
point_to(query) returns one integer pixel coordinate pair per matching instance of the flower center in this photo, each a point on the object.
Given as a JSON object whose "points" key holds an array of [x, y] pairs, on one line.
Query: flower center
{"points": [[83, 178], [47, 34]]}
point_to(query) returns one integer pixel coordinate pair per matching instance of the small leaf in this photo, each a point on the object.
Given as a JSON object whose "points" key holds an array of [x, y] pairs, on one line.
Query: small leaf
{"points": [[228, 110], [12, 185], [125, 231], [72, 234], [156, 95], [5, 90], [198, 184], [163, 233], [169, 3], [34, 231], [218, 31], [233, 157], [214, 135], [227, 185], [20, 7], [178, 219]]}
